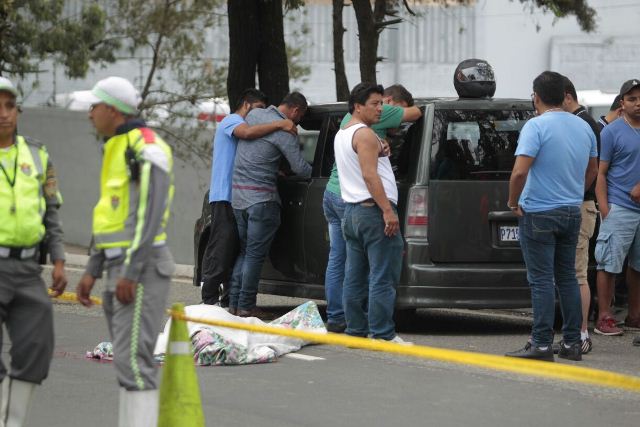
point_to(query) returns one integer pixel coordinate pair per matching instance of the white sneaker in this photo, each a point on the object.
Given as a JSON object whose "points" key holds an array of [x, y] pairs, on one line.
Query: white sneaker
{"points": [[399, 340]]}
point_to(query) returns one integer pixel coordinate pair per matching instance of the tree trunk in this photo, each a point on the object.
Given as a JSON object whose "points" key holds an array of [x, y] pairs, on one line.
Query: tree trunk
{"points": [[368, 39], [273, 69], [244, 45], [342, 85]]}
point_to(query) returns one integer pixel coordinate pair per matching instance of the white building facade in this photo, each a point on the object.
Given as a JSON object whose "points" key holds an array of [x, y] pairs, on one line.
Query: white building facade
{"points": [[422, 52]]}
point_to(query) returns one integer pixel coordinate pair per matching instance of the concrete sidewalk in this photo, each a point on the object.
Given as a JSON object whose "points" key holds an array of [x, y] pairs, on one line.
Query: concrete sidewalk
{"points": [[77, 257]]}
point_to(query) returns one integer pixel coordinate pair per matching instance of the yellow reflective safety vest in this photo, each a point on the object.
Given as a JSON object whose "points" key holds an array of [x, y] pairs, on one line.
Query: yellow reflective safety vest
{"points": [[115, 216], [22, 201]]}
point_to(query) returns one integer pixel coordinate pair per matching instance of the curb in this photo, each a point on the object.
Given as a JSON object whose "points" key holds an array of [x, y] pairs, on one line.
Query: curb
{"points": [[183, 271]]}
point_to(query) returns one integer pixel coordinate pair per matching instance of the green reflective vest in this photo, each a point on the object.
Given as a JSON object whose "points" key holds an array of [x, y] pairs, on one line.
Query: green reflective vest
{"points": [[117, 213], [22, 202]]}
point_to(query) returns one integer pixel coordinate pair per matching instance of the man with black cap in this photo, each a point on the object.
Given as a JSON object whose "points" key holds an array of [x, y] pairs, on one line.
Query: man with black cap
{"points": [[29, 202], [129, 239], [618, 194]]}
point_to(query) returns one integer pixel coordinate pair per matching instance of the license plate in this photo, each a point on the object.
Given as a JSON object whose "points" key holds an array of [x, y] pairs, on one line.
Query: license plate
{"points": [[509, 233]]}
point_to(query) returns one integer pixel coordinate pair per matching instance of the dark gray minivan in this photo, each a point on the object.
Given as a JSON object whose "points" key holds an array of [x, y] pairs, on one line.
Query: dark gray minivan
{"points": [[452, 168]]}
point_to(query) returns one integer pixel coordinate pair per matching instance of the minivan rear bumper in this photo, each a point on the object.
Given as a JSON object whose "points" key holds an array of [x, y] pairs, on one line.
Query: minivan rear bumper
{"points": [[465, 286]]}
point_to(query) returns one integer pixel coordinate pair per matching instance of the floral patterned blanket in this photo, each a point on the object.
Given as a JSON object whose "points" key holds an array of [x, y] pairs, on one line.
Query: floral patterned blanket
{"points": [[213, 345]]}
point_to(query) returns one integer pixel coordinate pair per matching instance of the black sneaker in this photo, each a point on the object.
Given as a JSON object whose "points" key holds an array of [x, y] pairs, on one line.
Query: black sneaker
{"points": [[531, 352], [574, 352], [587, 345], [336, 327]]}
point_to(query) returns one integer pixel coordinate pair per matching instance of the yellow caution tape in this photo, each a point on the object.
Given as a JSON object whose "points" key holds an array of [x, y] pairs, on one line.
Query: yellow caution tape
{"points": [[488, 361], [71, 297]]}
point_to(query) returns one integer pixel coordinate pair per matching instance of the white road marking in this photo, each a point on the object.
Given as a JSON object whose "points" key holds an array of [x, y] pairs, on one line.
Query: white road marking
{"points": [[303, 357]]}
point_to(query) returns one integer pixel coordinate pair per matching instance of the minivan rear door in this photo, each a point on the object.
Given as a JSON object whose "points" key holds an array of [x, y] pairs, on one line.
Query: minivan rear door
{"points": [[472, 155]]}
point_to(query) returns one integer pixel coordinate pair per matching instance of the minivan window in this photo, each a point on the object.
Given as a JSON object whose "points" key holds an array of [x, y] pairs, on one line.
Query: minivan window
{"points": [[403, 143], [475, 144], [308, 140]]}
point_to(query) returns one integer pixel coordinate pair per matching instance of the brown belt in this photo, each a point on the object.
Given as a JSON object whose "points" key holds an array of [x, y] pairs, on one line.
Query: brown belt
{"points": [[367, 202]]}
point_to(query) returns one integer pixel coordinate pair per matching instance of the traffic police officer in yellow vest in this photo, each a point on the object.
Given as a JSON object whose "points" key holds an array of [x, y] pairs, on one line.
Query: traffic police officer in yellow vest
{"points": [[130, 242], [29, 202]]}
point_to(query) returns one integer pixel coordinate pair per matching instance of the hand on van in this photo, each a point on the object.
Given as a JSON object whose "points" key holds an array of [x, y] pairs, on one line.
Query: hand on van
{"points": [[391, 223]]}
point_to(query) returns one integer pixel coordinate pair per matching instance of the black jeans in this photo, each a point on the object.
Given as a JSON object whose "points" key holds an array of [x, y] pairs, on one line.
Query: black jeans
{"points": [[220, 255]]}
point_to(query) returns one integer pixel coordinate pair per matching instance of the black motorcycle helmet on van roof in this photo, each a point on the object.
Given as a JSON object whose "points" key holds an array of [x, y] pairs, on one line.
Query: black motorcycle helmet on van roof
{"points": [[474, 78]]}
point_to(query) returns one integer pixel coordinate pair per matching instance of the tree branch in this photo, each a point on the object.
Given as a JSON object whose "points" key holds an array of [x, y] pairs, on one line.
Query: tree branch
{"points": [[382, 25], [406, 6], [156, 55]]}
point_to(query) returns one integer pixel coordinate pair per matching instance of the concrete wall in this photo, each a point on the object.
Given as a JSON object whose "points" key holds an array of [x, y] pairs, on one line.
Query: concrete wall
{"points": [[508, 37], [77, 153], [422, 53], [519, 43]]}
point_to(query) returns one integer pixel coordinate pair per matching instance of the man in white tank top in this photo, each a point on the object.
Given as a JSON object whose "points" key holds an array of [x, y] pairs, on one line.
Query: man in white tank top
{"points": [[371, 227]]}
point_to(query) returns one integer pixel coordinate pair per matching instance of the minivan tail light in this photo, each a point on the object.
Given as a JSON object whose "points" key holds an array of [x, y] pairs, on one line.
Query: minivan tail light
{"points": [[417, 213]]}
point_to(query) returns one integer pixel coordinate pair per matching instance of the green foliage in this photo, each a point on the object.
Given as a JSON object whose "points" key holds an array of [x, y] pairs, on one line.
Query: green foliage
{"points": [[31, 30], [585, 15], [170, 36], [293, 4], [297, 41]]}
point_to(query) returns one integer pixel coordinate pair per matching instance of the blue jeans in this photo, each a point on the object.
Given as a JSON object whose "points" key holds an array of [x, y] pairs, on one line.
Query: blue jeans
{"points": [[257, 227], [548, 240], [333, 207], [374, 262]]}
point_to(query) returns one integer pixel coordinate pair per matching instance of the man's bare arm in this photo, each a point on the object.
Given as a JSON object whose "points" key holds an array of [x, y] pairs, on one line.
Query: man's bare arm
{"points": [[601, 188], [591, 173], [518, 179], [244, 131], [367, 146], [411, 114]]}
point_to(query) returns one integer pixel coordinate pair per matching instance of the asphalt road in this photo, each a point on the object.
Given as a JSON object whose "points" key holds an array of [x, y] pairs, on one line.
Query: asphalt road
{"points": [[345, 387]]}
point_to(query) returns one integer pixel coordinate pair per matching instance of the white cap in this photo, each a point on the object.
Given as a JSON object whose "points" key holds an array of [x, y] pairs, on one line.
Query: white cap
{"points": [[118, 93], [7, 86]]}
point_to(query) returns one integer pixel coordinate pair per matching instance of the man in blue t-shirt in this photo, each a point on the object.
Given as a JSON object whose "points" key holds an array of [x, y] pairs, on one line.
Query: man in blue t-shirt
{"points": [[556, 151], [618, 194], [223, 244]]}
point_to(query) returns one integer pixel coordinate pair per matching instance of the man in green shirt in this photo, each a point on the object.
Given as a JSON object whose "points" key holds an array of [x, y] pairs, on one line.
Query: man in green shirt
{"points": [[398, 108]]}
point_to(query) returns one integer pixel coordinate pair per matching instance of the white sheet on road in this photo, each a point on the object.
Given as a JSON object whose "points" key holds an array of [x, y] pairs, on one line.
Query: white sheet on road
{"points": [[215, 345]]}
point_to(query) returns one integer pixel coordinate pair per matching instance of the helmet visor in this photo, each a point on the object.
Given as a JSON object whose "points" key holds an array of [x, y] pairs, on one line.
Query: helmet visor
{"points": [[477, 73]]}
